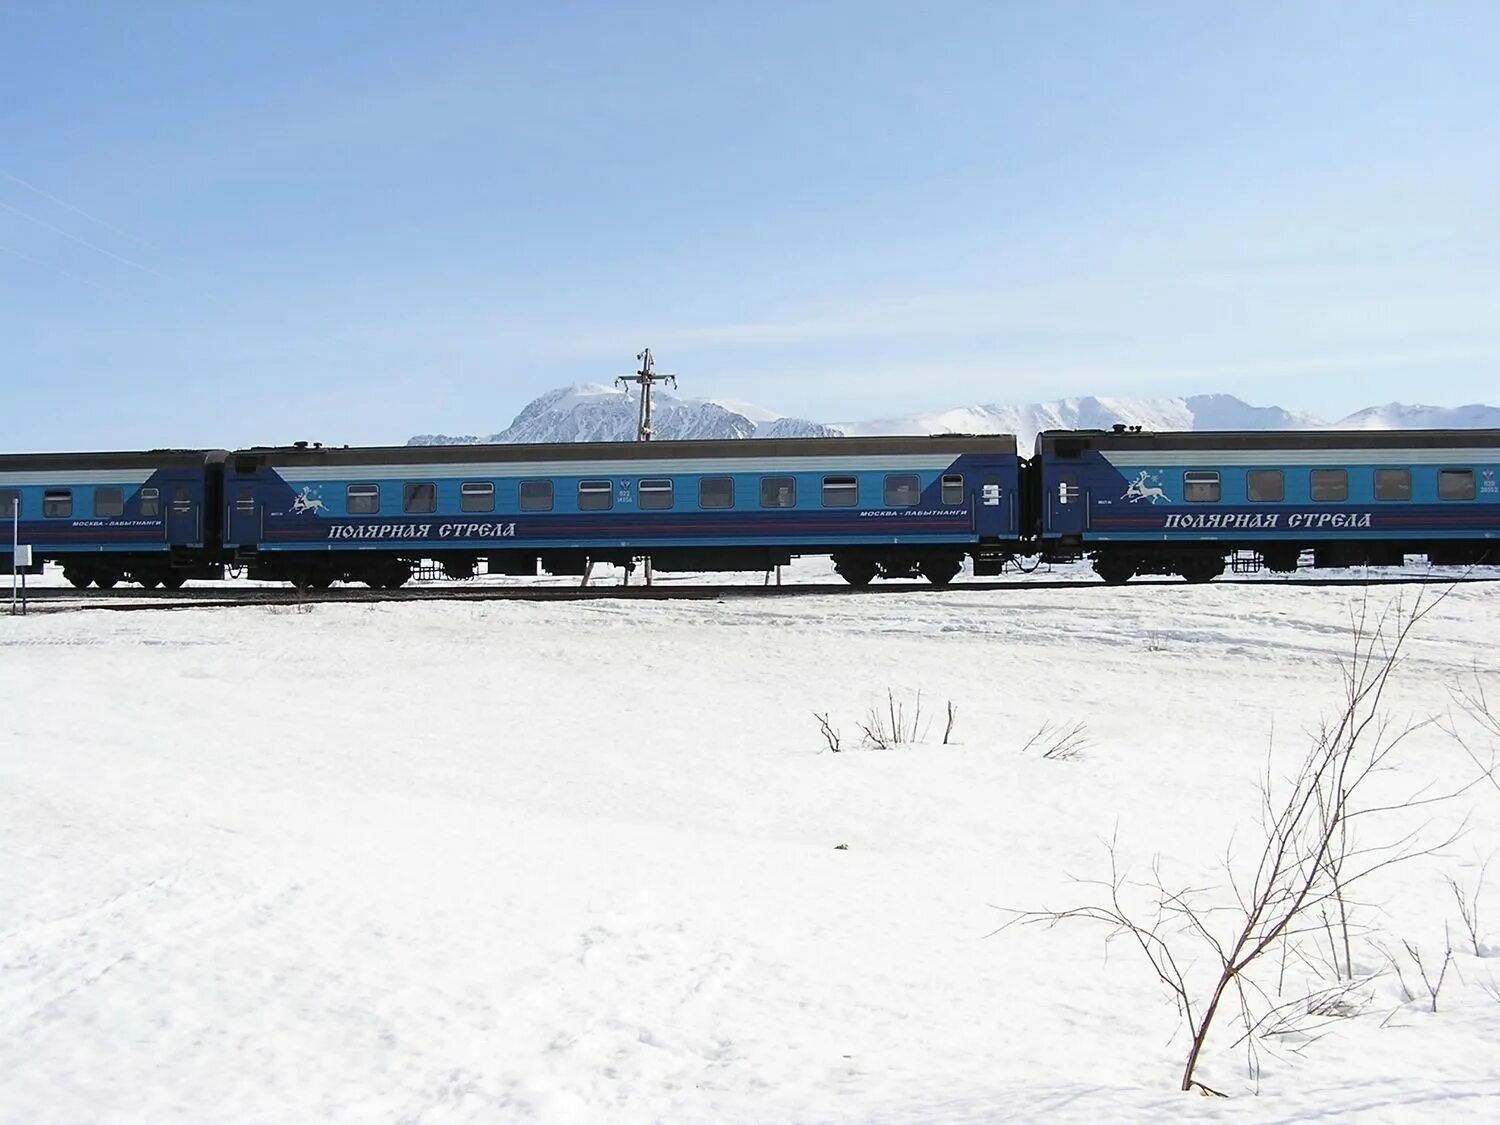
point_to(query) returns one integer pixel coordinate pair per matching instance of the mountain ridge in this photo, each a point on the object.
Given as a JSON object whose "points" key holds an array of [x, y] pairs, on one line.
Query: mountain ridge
{"points": [[591, 412]]}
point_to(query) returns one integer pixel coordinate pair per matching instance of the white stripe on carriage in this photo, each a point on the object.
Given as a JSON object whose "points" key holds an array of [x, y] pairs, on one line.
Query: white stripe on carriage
{"points": [[1294, 458], [721, 466], [63, 478]]}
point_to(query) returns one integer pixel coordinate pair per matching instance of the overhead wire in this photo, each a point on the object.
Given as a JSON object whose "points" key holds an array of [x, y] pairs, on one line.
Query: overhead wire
{"points": [[82, 241], [48, 266], [29, 186]]}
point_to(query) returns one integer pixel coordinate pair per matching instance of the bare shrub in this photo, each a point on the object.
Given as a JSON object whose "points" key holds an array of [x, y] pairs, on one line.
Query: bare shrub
{"points": [[889, 723], [1474, 702], [1432, 979], [893, 724], [1468, 906], [1310, 859], [1057, 741], [1300, 1017], [829, 732]]}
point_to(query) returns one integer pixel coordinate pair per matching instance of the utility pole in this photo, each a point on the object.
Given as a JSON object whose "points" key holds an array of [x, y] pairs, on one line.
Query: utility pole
{"points": [[645, 378]]}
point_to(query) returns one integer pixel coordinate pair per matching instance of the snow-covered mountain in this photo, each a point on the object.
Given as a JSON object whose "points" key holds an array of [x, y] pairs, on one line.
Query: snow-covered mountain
{"points": [[1400, 416], [1196, 412], [589, 412]]}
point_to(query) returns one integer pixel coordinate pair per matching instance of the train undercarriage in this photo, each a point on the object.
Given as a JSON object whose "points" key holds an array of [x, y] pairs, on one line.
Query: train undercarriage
{"points": [[1114, 563], [858, 567], [149, 571], [1117, 564]]}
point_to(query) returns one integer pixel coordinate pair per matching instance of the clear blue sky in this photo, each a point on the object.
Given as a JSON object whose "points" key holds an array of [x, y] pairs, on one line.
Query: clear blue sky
{"points": [[355, 222]]}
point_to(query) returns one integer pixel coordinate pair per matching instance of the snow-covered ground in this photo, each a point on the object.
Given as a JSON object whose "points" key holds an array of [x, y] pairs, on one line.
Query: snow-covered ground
{"points": [[592, 862]]}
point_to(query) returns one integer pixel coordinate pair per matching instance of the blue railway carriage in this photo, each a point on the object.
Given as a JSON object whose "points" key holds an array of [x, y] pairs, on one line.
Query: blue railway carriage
{"points": [[1179, 503], [111, 517], [893, 507]]}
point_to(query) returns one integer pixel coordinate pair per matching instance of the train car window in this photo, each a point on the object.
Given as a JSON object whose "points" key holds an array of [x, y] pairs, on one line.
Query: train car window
{"points": [[953, 489], [716, 492], [1393, 484], [362, 499], [536, 496], [1329, 486], [57, 504], [244, 501], [9, 499], [419, 497], [902, 491], [840, 492], [1456, 484], [150, 503], [1265, 486], [595, 495], [476, 496], [655, 494], [778, 492], [1200, 488], [182, 499], [109, 503]]}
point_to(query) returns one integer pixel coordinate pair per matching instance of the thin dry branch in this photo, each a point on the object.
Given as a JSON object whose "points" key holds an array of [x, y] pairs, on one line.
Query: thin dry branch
{"points": [[1310, 858]]}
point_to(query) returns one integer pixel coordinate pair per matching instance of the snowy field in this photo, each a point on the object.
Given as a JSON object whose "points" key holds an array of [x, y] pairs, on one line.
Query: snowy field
{"points": [[592, 862]]}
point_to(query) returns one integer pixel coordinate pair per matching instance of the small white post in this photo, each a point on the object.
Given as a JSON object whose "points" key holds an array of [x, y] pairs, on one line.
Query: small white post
{"points": [[15, 547]]}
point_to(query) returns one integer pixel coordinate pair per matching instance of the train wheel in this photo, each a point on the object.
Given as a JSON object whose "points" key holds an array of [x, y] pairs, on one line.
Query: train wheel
{"points": [[79, 578], [1202, 570], [106, 581], [387, 576], [149, 581], [172, 580], [940, 572], [1114, 570], [856, 572]]}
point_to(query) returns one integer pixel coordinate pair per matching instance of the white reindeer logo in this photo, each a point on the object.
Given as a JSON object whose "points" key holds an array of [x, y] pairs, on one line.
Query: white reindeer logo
{"points": [[1140, 490], [306, 503]]}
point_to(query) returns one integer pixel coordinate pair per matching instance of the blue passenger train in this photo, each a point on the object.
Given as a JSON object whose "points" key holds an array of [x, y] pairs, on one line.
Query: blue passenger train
{"points": [[899, 507], [1179, 503], [151, 518], [896, 507]]}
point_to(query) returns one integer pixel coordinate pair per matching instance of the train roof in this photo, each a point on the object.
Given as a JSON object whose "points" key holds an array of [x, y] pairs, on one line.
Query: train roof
{"points": [[112, 459], [955, 444], [1078, 440]]}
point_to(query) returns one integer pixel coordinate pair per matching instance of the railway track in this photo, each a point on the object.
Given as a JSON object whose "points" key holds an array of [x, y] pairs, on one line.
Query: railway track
{"points": [[65, 600]]}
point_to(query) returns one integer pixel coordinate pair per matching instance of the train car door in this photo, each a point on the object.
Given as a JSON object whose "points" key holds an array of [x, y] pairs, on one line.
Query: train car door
{"points": [[989, 504], [184, 516], [243, 499], [1065, 507]]}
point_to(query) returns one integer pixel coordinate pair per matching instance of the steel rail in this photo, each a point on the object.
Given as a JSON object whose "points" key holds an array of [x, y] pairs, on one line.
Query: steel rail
{"points": [[59, 600]]}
